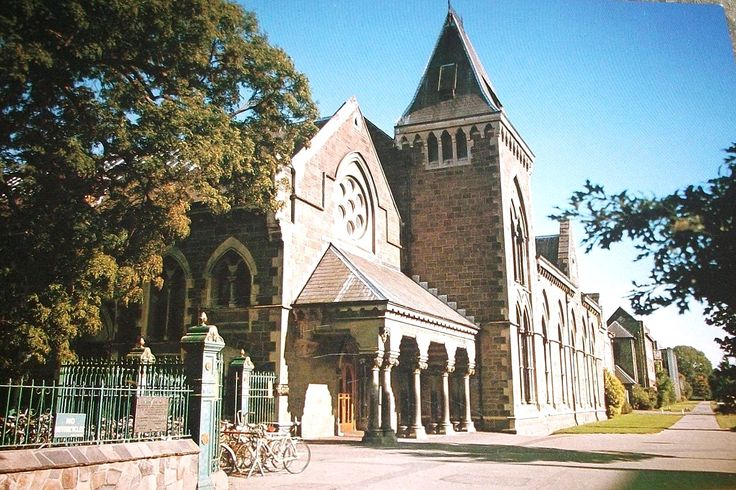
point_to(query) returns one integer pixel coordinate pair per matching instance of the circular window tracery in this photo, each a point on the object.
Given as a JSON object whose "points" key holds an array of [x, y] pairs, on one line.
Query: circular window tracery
{"points": [[352, 207]]}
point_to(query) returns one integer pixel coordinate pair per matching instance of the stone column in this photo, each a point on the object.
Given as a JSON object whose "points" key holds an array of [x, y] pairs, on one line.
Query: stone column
{"points": [[374, 433], [389, 402], [446, 424], [202, 348], [466, 424], [416, 430]]}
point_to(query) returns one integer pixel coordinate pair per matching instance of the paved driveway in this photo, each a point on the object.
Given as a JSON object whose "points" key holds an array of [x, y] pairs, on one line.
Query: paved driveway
{"points": [[693, 453]]}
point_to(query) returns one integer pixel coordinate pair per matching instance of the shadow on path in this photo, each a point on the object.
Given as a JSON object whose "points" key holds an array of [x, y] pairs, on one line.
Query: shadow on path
{"points": [[520, 454]]}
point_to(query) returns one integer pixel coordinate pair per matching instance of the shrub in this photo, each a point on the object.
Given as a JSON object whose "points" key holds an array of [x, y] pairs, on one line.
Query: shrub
{"points": [[643, 398], [665, 390], [626, 408], [615, 394]]}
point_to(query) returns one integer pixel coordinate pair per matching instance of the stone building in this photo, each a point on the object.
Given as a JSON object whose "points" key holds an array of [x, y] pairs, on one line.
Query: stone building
{"points": [[400, 289], [634, 349], [669, 365]]}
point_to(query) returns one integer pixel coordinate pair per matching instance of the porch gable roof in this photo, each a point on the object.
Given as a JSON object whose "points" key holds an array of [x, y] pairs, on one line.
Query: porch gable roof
{"points": [[341, 277]]}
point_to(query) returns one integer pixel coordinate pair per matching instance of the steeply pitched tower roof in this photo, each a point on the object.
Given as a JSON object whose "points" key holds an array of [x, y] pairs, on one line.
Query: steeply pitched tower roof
{"points": [[454, 84]]}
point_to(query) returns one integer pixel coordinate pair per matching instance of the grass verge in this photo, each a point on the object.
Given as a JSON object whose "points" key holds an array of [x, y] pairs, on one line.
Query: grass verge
{"points": [[680, 406], [725, 420], [632, 423]]}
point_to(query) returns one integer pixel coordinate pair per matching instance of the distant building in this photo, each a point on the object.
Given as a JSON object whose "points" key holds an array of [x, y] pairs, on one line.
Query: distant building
{"points": [[669, 364], [635, 351]]}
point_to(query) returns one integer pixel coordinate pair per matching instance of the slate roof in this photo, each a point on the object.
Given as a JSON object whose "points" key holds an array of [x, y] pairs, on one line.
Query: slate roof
{"points": [[342, 277], [548, 246], [474, 93], [623, 376], [619, 332]]}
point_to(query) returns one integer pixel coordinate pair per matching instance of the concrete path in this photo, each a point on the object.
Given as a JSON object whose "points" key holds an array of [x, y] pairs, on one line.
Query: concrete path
{"points": [[694, 453]]}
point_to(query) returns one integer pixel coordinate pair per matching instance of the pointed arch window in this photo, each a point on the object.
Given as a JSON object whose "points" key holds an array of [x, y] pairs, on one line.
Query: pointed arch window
{"points": [[526, 356], [563, 362], [432, 149], [519, 246], [231, 281], [167, 305], [461, 145], [446, 147]]}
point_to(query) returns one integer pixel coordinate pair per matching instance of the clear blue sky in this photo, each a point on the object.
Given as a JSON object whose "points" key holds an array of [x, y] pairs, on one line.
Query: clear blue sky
{"points": [[632, 95]]}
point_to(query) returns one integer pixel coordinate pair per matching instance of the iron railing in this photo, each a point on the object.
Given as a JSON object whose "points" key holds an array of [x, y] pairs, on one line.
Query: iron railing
{"points": [[97, 402], [261, 404]]}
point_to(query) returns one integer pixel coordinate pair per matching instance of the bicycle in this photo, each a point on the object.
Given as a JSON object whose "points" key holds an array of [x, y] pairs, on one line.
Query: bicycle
{"points": [[296, 454]]}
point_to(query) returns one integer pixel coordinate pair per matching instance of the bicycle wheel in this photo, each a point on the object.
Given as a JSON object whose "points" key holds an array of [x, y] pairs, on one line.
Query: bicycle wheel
{"points": [[274, 454], [244, 456], [227, 459], [296, 456]]}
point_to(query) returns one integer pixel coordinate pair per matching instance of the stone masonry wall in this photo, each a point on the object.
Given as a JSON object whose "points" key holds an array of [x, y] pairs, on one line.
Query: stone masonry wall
{"points": [[455, 242], [150, 465]]}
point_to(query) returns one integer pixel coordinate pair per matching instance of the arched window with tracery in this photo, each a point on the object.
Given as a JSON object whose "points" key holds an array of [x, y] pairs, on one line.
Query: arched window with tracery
{"points": [[519, 247], [231, 281], [167, 305]]}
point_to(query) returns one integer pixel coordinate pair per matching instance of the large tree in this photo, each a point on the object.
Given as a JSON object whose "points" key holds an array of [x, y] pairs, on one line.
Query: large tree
{"points": [[115, 115], [696, 367], [689, 235]]}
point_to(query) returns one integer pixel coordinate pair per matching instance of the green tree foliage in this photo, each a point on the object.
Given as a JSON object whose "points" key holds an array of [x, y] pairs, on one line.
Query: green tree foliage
{"points": [[115, 116], [665, 390], [696, 367], [643, 398], [685, 388], [689, 235], [614, 392], [723, 384], [701, 387]]}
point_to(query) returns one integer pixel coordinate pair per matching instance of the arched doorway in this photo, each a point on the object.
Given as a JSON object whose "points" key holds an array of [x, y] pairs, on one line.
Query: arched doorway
{"points": [[346, 396]]}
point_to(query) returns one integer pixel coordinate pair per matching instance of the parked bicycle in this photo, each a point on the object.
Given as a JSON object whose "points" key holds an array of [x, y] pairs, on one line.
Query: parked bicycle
{"points": [[250, 448]]}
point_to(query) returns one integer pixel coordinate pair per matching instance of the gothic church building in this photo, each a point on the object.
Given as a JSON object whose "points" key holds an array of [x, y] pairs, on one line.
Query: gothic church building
{"points": [[400, 290]]}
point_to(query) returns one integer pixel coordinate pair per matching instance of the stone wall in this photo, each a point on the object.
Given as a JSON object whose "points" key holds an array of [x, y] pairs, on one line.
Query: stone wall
{"points": [[149, 465]]}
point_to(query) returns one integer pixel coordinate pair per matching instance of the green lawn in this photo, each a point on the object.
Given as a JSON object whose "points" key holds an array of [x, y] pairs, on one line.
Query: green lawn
{"points": [[633, 423], [726, 420], [679, 406]]}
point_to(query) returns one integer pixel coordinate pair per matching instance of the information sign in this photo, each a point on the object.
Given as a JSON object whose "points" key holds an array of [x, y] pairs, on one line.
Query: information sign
{"points": [[151, 414]]}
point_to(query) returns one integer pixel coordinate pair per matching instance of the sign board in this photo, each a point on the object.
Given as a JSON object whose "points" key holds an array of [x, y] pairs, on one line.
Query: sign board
{"points": [[69, 424], [151, 414]]}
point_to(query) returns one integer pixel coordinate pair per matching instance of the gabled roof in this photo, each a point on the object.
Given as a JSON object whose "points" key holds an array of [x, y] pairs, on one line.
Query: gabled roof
{"points": [[548, 247], [341, 277], [474, 94], [623, 376], [619, 332]]}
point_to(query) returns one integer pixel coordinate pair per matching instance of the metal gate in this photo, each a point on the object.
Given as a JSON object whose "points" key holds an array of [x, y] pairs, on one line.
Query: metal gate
{"points": [[261, 404]]}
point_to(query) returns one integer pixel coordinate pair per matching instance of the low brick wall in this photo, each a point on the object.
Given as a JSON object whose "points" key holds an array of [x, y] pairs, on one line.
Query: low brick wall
{"points": [[149, 465]]}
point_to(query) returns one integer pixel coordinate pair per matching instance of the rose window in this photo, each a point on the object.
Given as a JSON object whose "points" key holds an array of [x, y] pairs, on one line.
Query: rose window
{"points": [[352, 208]]}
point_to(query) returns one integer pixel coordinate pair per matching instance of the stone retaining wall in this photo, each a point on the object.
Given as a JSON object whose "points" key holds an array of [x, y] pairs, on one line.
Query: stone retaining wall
{"points": [[146, 465]]}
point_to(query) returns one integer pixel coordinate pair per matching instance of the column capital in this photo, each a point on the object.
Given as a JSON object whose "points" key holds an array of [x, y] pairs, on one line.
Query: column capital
{"points": [[450, 366], [420, 364], [390, 361]]}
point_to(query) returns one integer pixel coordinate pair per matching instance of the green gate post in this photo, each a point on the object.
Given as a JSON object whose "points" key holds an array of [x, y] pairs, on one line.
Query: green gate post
{"points": [[202, 352], [243, 367]]}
